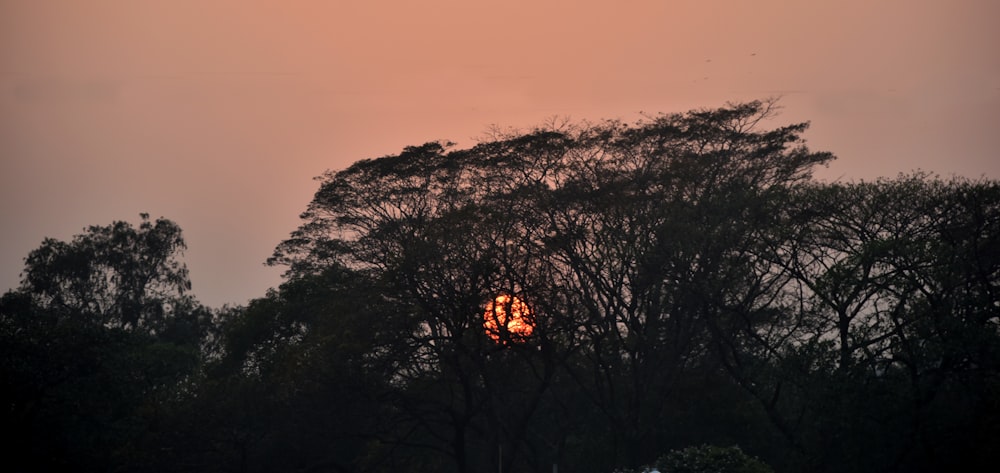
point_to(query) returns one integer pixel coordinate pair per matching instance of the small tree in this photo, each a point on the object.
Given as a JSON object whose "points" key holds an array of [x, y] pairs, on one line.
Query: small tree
{"points": [[707, 459], [711, 459]]}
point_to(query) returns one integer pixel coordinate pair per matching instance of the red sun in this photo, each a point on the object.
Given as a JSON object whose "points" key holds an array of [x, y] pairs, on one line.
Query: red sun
{"points": [[510, 315]]}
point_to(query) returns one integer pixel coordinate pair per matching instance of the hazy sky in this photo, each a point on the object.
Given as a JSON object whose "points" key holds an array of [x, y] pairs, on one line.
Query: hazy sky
{"points": [[218, 113]]}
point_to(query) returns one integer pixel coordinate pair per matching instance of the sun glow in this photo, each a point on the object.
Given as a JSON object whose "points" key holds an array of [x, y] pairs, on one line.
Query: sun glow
{"points": [[508, 318]]}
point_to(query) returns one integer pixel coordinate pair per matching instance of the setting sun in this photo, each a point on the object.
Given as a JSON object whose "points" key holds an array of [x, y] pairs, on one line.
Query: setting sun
{"points": [[512, 314]]}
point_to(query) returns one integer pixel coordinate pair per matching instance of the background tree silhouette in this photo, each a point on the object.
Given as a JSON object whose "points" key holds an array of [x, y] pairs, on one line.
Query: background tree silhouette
{"points": [[95, 342]]}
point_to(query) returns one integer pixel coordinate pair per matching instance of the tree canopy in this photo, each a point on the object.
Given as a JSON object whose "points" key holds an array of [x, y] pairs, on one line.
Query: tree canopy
{"points": [[587, 295], [97, 337]]}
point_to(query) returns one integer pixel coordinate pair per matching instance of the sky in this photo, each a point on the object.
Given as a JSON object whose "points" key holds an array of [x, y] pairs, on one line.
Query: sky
{"points": [[217, 114]]}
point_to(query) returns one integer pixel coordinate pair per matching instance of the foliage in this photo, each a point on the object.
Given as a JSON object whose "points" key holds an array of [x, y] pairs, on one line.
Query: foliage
{"points": [[688, 284], [707, 459], [614, 234], [98, 336], [710, 459], [116, 274]]}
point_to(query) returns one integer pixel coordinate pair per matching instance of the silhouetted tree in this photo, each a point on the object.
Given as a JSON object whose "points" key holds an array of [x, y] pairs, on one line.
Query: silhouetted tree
{"points": [[97, 338], [305, 379], [615, 233], [684, 280], [869, 325]]}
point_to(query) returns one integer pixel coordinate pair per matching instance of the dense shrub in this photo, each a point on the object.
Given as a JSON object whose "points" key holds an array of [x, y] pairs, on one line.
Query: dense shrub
{"points": [[707, 459]]}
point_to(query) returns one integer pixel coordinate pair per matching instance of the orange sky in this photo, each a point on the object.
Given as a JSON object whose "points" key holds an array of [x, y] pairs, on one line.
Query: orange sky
{"points": [[217, 113]]}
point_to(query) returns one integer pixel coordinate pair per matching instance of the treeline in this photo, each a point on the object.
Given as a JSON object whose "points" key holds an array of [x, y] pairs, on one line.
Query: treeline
{"points": [[687, 284]]}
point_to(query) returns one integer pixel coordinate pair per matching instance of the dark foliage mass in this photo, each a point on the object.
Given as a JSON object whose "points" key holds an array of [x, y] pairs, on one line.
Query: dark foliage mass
{"points": [[692, 289]]}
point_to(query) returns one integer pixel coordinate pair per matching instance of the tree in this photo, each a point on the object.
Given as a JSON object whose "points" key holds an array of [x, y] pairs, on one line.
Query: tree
{"points": [[708, 459], [302, 380], [97, 338], [659, 225], [117, 275], [615, 233], [870, 323]]}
